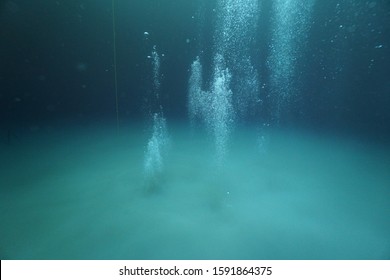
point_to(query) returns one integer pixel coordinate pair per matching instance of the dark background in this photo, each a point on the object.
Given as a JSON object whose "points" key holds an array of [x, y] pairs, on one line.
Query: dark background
{"points": [[56, 61]]}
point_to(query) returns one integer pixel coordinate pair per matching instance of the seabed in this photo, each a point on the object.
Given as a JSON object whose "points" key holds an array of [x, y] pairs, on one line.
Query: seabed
{"points": [[72, 193]]}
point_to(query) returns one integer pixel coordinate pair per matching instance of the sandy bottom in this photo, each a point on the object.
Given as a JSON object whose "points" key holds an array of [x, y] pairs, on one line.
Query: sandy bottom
{"points": [[82, 194]]}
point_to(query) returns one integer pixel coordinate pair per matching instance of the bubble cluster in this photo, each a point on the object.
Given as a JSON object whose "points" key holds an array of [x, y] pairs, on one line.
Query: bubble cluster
{"points": [[291, 23], [158, 142], [236, 26], [156, 149], [156, 70], [234, 83], [234, 36], [221, 111], [214, 107], [196, 97]]}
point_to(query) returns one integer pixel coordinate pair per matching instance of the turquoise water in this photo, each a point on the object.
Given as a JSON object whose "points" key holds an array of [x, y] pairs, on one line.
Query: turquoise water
{"points": [[207, 129], [280, 194]]}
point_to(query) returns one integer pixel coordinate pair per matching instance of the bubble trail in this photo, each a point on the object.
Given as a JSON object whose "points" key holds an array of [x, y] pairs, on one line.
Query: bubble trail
{"points": [[155, 152], [291, 23]]}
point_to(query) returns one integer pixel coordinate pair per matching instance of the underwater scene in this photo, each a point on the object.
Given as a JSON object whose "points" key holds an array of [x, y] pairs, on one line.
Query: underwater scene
{"points": [[195, 129]]}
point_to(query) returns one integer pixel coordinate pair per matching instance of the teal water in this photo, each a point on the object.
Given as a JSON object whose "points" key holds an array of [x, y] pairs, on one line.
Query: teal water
{"points": [[82, 194]]}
